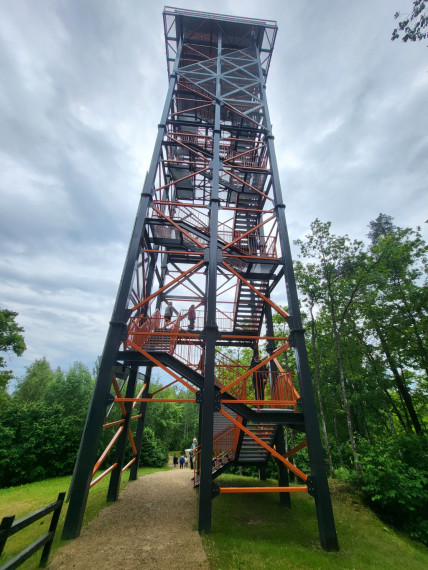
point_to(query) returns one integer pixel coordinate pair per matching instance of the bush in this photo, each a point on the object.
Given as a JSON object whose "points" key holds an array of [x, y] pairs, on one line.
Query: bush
{"points": [[36, 442], [394, 479], [153, 452]]}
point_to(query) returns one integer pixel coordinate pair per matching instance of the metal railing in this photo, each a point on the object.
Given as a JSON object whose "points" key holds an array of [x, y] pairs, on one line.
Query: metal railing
{"points": [[155, 332], [271, 389]]}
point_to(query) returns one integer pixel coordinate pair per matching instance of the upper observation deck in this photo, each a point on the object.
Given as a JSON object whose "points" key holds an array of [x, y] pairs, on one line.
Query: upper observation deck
{"points": [[201, 28]]}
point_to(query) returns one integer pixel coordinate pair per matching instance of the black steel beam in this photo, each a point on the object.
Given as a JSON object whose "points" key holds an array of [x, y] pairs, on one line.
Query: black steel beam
{"points": [[211, 329], [133, 475], [116, 474], [324, 509], [88, 445]]}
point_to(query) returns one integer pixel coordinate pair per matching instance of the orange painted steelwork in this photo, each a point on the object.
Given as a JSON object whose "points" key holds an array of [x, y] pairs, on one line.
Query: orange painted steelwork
{"points": [[106, 450], [176, 400], [182, 179], [198, 243], [118, 394], [160, 389], [172, 252], [230, 490], [155, 361], [167, 286], [248, 185], [277, 308], [265, 403], [249, 372], [295, 449], [236, 336], [106, 472], [249, 232], [128, 464], [139, 396], [272, 451], [111, 424]]}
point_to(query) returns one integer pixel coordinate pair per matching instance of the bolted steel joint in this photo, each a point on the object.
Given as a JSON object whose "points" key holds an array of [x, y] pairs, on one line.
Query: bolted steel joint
{"points": [[293, 336], [109, 399], [311, 482], [217, 403]]}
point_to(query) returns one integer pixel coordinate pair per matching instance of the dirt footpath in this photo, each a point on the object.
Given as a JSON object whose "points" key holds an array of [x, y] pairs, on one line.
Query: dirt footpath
{"points": [[152, 525]]}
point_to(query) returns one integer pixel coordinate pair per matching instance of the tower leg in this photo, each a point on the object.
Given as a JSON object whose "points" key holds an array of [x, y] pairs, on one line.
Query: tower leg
{"points": [[284, 498], [88, 446], [211, 329], [206, 441], [133, 475], [114, 485]]}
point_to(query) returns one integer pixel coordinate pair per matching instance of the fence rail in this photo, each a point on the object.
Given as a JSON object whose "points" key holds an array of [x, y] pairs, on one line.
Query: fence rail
{"points": [[8, 528]]}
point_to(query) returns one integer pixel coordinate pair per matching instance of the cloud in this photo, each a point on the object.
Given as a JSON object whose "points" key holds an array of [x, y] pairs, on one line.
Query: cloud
{"points": [[83, 88]]}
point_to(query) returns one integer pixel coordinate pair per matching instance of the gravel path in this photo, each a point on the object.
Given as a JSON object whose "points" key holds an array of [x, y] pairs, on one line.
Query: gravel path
{"points": [[152, 525]]}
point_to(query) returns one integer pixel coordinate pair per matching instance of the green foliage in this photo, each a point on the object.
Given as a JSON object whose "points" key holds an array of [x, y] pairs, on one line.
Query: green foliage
{"points": [[367, 331], [175, 424], [72, 390], [36, 442], [11, 339], [33, 386], [394, 479], [412, 25], [41, 425], [153, 451]]}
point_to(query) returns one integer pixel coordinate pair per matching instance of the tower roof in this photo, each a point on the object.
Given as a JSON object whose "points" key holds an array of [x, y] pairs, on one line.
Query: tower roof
{"points": [[237, 32]]}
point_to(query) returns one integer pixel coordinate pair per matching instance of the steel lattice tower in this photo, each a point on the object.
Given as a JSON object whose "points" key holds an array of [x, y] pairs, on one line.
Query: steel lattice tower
{"points": [[210, 231]]}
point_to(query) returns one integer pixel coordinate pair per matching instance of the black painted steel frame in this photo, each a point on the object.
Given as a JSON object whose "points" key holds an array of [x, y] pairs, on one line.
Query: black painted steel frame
{"points": [[214, 152]]}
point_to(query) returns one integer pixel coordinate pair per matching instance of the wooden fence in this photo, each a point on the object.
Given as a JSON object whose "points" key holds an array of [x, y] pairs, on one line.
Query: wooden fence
{"points": [[8, 527]]}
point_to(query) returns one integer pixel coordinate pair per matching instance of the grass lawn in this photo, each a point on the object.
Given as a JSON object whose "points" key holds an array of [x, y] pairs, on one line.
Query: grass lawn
{"points": [[252, 532], [25, 499], [249, 532]]}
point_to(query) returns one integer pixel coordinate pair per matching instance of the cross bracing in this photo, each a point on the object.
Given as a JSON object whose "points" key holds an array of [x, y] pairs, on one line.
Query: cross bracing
{"points": [[210, 237]]}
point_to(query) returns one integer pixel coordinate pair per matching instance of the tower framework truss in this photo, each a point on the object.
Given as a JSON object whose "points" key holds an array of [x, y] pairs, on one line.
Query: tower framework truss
{"points": [[210, 242]]}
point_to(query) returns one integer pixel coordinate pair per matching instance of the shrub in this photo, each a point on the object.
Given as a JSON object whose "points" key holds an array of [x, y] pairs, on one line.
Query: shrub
{"points": [[394, 479], [153, 452]]}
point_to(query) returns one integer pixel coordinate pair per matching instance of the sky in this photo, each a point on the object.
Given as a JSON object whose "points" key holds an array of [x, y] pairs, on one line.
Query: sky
{"points": [[82, 88]]}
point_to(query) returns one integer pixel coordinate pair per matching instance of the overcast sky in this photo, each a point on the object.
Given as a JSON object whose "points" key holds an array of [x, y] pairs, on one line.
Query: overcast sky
{"points": [[82, 88]]}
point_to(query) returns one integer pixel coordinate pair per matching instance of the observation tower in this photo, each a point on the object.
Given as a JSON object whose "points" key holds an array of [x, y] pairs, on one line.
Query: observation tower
{"points": [[210, 231]]}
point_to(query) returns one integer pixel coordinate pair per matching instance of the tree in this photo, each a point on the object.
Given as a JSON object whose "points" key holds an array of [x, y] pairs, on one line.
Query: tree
{"points": [[153, 450], [72, 390], [41, 424], [413, 25], [32, 387], [338, 276], [394, 310], [11, 339]]}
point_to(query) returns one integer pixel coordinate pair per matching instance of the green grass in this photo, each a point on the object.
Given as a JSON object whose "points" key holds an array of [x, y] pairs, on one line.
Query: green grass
{"points": [[249, 532], [25, 499], [252, 532]]}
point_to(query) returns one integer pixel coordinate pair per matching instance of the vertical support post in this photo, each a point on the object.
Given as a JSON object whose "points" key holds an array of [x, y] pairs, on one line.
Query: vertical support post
{"points": [[52, 530], [5, 526], [283, 480], [211, 329], [140, 426], [88, 445], [116, 474], [326, 526]]}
